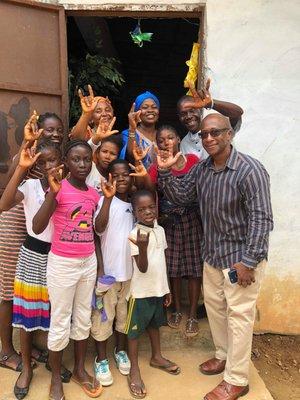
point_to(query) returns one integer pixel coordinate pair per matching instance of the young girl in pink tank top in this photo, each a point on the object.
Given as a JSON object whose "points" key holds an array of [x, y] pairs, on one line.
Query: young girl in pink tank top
{"points": [[72, 265]]}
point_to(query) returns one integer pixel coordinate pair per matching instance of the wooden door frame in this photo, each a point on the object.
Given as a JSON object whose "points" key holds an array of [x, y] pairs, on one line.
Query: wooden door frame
{"points": [[63, 92]]}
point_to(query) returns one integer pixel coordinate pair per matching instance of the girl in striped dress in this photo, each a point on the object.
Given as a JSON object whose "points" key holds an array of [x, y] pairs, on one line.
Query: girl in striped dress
{"points": [[12, 235], [184, 235], [31, 307]]}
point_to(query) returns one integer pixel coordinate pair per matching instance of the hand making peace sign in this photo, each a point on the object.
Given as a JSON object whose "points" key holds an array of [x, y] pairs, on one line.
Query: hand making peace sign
{"points": [[139, 170], [165, 158], [28, 156], [133, 118], [104, 130], [31, 131], [88, 103], [109, 187], [55, 178], [138, 153]]}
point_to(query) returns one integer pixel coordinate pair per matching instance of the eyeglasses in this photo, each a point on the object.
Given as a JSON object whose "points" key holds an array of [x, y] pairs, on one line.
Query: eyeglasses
{"points": [[213, 133]]}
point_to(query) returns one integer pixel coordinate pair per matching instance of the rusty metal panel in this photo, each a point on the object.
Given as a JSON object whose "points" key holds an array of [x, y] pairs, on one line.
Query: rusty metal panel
{"points": [[33, 70]]}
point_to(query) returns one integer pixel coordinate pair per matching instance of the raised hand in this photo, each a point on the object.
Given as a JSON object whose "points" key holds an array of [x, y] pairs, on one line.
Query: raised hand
{"points": [[201, 99], [133, 118], [31, 131], [109, 187], [88, 103], [141, 240], [104, 130], [28, 156], [139, 153], [139, 170], [55, 178], [166, 158]]}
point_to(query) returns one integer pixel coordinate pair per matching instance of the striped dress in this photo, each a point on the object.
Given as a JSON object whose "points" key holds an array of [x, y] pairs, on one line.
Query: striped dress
{"points": [[31, 307], [12, 235]]}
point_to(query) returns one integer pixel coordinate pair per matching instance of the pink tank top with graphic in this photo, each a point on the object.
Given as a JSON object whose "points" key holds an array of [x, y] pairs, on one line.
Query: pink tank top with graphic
{"points": [[73, 221]]}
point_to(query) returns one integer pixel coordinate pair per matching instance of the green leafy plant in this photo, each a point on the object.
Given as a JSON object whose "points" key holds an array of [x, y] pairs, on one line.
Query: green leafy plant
{"points": [[99, 71]]}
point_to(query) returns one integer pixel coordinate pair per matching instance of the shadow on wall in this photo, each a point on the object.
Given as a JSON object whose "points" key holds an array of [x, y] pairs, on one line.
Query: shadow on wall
{"points": [[19, 112]]}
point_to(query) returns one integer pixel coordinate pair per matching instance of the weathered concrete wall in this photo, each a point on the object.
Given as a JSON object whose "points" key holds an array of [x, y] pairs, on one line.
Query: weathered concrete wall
{"points": [[253, 58]]}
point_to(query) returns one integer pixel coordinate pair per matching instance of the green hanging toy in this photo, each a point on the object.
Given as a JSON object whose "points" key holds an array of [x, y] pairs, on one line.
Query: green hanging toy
{"points": [[138, 37]]}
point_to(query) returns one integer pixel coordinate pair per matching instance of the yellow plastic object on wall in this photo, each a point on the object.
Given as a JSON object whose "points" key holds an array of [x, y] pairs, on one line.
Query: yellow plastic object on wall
{"points": [[192, 63]]}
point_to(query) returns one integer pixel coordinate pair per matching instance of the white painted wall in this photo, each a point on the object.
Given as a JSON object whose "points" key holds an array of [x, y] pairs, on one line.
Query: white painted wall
{"points": [[253, 58]]}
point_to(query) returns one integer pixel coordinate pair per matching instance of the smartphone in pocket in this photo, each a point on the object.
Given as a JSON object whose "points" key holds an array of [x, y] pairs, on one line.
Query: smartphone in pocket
{"points": [[233, 276]]}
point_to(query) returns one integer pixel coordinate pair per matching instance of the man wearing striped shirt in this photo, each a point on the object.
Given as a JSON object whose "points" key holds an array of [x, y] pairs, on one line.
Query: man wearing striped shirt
{"points": [[233, 193]]}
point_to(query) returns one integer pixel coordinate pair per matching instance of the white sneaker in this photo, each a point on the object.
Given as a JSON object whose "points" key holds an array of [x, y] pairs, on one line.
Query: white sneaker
{"points": [[102, 372], [122, 361]]}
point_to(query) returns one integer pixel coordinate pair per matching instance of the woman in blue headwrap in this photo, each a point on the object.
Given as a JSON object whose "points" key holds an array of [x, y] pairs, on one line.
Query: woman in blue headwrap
{"points": [[142, 117]]}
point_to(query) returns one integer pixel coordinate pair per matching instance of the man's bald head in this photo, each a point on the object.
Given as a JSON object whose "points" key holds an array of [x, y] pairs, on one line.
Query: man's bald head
{"points": [[216, 134], [216, 121]]}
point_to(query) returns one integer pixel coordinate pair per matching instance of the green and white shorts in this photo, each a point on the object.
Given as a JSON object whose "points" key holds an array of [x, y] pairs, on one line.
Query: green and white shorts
{"points": [[144, 313]]}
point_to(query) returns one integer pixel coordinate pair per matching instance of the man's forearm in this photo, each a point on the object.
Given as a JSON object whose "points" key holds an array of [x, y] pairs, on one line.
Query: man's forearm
{"points": [[260, 218], [230, 110]]}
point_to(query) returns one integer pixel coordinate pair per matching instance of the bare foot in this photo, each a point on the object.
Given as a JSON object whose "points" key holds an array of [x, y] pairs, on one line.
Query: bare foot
{"points": [[56, 389]]}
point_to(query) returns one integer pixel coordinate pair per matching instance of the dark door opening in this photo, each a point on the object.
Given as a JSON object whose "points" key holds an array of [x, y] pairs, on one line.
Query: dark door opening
{"points": [[159, 66]]}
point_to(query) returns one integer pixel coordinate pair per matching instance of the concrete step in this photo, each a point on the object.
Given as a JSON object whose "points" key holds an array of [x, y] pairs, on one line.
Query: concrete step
{"points": [[187, 353]]}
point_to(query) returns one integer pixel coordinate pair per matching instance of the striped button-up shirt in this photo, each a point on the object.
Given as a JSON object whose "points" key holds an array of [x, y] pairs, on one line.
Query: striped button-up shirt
{"points": [[235, 208]]}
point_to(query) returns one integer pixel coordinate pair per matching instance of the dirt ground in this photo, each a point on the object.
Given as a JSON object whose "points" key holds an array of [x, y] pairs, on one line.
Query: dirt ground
{"points": [[277, 359]]}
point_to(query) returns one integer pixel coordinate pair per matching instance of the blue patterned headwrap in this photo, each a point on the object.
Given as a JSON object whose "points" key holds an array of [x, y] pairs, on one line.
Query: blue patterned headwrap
{"points": [[144, 96]]}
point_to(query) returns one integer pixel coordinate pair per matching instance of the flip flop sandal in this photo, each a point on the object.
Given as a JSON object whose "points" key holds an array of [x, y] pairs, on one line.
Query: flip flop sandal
{"points": [[18, 368], [20, 393], [65, 376], [192, 327], [166, 367], [42, 357], [132, 389], [175, 320], [91, 393]]}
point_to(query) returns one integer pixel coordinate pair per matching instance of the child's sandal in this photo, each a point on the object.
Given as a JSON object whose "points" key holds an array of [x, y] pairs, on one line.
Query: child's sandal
{"points": [[175, 320], [192, 327]]}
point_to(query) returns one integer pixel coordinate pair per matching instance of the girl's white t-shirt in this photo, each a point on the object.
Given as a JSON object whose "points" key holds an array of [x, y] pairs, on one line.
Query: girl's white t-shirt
{"points": [[34, 197], [94, 179], [115, 246]]}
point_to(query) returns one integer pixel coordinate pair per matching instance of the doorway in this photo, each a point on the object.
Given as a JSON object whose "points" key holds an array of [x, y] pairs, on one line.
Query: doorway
{"points": [[158, 66]]}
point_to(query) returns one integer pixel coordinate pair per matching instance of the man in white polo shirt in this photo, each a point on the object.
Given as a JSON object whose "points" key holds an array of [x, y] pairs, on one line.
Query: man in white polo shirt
{"points": [[192, 109]]}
